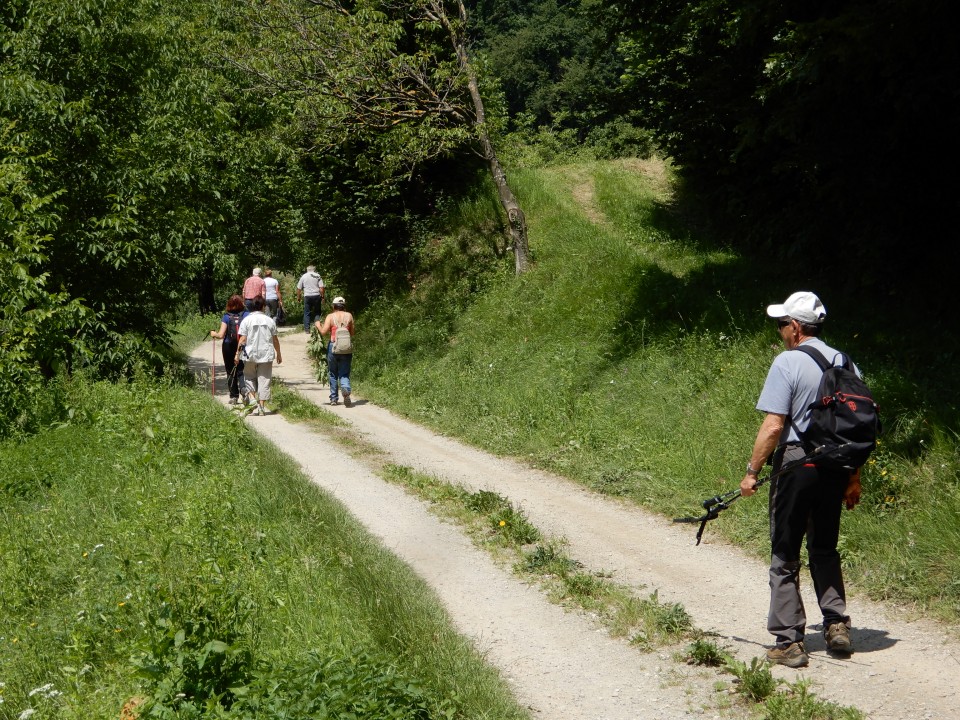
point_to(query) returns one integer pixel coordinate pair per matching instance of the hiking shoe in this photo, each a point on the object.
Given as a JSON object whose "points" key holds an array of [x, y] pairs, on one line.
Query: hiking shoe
{"points": [[333, 401], [837, 636], [260, 410], [346, 399], [792, 655]]}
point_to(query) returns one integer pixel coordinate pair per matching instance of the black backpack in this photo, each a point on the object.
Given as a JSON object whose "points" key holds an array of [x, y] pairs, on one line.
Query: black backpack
{"points": [[231, 336], [845, 421]]}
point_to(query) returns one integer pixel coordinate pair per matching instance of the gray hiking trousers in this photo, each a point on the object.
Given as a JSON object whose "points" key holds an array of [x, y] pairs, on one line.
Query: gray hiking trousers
{"points": [[806, 502]]}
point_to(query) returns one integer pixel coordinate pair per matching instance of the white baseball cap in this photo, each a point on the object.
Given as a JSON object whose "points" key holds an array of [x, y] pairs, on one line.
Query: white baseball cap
{"points": [[339, 301], [803, 306]]}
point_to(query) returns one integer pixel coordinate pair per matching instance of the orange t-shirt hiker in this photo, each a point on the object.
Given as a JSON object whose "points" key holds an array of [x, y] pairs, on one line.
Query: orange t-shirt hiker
{"points": [[338, 362]]}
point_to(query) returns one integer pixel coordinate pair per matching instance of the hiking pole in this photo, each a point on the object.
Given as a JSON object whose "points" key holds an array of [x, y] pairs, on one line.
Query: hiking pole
{"points": [[213, 369], [718, 503]]}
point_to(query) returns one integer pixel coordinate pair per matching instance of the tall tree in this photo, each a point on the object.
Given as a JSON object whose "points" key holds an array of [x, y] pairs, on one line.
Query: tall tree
{"points": [[396, 79], [814, 129], [158, 168]]}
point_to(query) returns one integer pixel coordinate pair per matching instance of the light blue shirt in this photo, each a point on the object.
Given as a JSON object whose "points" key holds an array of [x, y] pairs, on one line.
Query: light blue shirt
{"points": [[792, 384]]}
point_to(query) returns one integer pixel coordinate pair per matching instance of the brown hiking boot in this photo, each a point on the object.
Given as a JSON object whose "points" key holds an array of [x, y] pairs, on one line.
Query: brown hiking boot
{"points": [[837, 636], [792, 655]]}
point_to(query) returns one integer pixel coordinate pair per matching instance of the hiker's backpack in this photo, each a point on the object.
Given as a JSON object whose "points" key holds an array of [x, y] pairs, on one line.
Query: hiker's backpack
{"points": [[844, 421], [231, 336], [342, 342]]}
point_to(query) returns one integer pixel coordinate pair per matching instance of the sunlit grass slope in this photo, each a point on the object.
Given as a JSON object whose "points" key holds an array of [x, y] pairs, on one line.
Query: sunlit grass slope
{"points": [[154, 548], [630, 359]]}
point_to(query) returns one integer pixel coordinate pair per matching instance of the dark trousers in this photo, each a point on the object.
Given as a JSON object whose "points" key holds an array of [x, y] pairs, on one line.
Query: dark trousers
{"points": [[311, 309], [805, 502], [236, 378]]}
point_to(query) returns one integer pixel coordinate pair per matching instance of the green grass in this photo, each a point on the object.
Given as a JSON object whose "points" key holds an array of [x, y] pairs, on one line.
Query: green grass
{"points": [[778, 699], [630, 359], [500, 526], [154, 548]]}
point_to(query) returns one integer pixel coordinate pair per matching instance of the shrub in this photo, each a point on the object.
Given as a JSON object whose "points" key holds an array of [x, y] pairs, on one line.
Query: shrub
{"points": [[337, 685]]}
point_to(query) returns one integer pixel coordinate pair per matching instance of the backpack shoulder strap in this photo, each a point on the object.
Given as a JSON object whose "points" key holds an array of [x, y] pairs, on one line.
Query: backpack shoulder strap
{"points": [[822, 363], [817, 356]]}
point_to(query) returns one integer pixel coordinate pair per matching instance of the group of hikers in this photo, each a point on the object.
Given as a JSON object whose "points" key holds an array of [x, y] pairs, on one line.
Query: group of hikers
{"points": [[808, 484], [250, 342]]}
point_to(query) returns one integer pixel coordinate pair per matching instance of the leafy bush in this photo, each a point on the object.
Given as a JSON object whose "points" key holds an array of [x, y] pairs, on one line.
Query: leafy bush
{"points": [[703, 652], [35, 344], [512, 526], [334, 684], [549, 559], [486, 502], [798, 703], [756, 680], [197, 648]]}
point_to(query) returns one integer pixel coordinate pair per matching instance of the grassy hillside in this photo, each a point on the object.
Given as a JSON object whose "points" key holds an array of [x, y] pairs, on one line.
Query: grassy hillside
{"points": [[631, 356], [154, 548]]}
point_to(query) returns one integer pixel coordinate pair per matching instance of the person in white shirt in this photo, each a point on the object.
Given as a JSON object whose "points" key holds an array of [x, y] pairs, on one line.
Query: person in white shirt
{"points": [[274, 297], [259, 347]]}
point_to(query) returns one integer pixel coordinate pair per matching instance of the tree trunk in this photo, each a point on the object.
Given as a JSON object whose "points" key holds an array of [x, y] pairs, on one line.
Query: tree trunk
{"points": [[516, 222]]}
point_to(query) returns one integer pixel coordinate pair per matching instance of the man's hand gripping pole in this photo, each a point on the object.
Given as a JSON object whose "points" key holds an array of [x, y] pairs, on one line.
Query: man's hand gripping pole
{"points": [[718, 503]]}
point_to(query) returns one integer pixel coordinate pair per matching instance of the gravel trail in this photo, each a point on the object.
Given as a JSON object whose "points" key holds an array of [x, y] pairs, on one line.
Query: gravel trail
{"points": [[562, 665]]}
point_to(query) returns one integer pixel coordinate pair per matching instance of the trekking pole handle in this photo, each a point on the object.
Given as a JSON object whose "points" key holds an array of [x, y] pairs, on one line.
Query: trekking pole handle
{"points": [[728, 497]]}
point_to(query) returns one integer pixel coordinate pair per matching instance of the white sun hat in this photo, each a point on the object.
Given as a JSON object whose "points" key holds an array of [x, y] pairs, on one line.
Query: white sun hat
{"points": [[803, 306]]}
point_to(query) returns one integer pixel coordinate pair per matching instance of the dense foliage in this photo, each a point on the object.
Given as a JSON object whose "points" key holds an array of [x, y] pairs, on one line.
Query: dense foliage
{"points": [[34, 322], [130, 143], [153, 152], [818, 131], [143, 171], [559, 67]]}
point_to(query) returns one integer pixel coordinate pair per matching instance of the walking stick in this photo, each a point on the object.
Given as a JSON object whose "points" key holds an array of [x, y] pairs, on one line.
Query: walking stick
{"points": [[714, 505], [213, 369]]}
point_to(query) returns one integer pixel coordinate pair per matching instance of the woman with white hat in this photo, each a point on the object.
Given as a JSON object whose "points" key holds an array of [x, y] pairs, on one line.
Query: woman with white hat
{"points": [[339, 325]]}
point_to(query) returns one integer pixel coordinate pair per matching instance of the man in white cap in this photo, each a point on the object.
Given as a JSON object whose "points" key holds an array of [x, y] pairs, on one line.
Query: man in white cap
{"points": [[805, 500]]}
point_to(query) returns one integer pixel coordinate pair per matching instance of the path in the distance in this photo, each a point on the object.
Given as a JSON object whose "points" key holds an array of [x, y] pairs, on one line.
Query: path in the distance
{"points": [[559, 663]]}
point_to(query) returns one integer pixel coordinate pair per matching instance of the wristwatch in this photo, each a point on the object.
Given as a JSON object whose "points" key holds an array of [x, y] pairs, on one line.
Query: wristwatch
{"points": [[751, 471]]}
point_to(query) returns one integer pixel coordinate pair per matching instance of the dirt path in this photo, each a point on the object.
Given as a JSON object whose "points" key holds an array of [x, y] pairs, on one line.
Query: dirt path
{"points": [[562, 665]]}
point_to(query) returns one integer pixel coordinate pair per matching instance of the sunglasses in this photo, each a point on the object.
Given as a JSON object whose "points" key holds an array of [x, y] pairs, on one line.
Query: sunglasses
{"points": [[783, 322]]}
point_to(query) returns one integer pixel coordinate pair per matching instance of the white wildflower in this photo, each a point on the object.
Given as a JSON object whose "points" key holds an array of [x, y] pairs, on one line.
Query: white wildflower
{"points": [[25, 714]]}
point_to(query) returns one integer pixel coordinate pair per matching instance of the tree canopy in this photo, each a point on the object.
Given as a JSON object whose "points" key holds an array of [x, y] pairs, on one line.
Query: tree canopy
{"points": [[820, 131], [152, 149]]}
